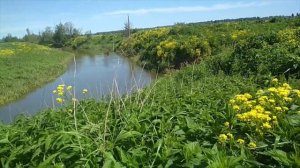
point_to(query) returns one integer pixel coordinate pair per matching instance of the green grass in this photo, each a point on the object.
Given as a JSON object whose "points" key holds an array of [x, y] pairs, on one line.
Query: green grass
{"points": [[175, 122], [26, 67]]}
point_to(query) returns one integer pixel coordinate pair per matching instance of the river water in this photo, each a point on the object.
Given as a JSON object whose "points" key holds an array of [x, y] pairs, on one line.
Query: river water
{"points": [[99, 74]]}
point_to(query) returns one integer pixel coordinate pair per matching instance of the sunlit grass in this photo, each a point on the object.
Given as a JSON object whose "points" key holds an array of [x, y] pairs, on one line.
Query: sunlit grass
{"points": [[26, 66]]}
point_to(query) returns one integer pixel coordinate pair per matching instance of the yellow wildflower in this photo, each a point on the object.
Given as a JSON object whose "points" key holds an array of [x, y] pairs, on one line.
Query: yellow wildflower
{"points": [[252, 145], [70, 110], [59, 100], [274, 81], [226, 124], [54, 91], [286, 85], [260, 92], [267, 112], [241, 141], [222, 138], [236, 108], [247, 95], [232, 101], [69, 88], [259, 109], [229, 135], [266, 125], [272, 101], [278, 109], [288, 99], [272, 89], [84, 91], [297, 92]]}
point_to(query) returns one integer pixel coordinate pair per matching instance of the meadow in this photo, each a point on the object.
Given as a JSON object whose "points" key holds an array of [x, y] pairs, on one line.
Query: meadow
{"points": [[230, 98], [25, 67]]}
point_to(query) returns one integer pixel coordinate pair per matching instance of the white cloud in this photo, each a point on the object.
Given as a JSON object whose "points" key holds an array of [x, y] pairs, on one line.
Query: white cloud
{"points": [[182, 9]]}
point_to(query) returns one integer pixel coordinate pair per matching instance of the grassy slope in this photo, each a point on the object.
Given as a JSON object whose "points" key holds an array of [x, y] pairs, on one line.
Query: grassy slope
{"points": [[174, 122], [29, 67]]}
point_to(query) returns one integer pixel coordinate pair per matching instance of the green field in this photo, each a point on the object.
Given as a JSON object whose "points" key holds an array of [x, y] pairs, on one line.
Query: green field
{"points": [[26, 66]]}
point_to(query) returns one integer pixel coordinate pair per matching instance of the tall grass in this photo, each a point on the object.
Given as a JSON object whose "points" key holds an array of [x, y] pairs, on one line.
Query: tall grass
{"points": [[27, 67]]}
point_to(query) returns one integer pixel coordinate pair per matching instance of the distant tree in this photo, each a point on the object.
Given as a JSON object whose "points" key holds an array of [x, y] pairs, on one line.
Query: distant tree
{"points": [[59, 36], [88, 34], [31, 37], [28, 31], [47, 37], [127, 27], [10, 38], [76, 32], [292, 14]]}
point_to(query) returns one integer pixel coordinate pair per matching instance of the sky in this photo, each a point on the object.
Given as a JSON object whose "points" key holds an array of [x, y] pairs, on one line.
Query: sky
{"points": [[108, 15]]}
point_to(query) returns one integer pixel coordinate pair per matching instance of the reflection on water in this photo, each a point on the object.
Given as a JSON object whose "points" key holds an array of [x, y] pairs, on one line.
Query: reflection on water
{"points": [[99, 74]]}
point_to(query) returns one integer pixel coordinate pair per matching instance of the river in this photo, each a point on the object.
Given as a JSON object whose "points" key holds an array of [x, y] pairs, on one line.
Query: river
{"points": [[98, 74]]}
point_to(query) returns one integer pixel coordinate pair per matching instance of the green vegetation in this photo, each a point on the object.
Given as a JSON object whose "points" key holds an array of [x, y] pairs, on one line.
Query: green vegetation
{"points": [[68, 37], [104, 43], [26, 66], [253, 47], [236, 105], [176, 122]]}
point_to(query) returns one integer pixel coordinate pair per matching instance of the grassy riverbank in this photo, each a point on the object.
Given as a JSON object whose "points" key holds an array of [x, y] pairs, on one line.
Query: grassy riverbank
{"points": [[185, 119], [26, 66]]}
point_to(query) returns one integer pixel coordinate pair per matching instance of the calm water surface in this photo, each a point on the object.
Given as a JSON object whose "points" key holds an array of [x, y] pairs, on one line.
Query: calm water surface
{"points": [[99, 74]]}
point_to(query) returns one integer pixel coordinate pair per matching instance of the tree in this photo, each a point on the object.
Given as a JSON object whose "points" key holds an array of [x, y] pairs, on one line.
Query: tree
{"points": [[10, 38], [59, 36], [31, 37], [47, 37], [127, 27]]}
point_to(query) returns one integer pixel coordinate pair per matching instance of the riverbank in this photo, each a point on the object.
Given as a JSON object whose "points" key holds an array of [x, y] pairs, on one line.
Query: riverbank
{"points": [[25, 67], [187, 118], [96, 73]]}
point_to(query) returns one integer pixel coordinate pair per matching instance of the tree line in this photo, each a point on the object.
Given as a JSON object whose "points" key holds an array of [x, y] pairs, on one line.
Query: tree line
{"points": [[56, 37]]}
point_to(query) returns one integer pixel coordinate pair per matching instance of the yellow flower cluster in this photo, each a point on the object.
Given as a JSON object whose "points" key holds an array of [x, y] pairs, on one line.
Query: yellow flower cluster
{"points": [[225, 137], [165, 47], [60, 91], [7, 52], [252, 145], [241, 141], [262, 110], [240, 33], [222, 138]]}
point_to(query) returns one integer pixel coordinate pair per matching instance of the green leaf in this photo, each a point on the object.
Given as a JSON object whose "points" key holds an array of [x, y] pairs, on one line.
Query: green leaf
{"points": [[5, 140], [279, 156], [123, 135], [47, 162], [122, 155], [47, 142]]}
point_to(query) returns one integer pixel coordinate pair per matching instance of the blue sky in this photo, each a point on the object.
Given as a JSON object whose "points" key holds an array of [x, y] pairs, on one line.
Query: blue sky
{"points": [[100, 15]]}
